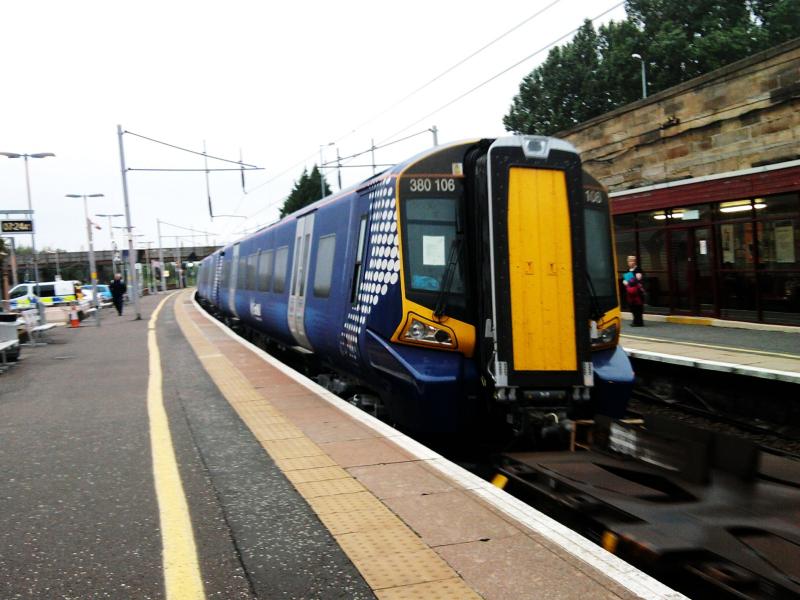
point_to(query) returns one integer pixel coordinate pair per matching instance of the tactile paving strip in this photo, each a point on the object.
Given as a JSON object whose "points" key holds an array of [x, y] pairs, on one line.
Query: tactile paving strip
{"points": [[393, 560], [443, 588]]}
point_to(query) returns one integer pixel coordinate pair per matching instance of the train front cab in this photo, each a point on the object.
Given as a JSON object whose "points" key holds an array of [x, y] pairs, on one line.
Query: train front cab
{"points": [[554, 320], [494, 243]]}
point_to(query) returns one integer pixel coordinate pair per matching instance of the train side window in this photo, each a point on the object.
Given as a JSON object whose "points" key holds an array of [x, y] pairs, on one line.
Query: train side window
{"points": [[323, 273], [265, 270], [225, 275], [362, 228], [279, 275], [241, 273], [252, 262], [300, 281]]}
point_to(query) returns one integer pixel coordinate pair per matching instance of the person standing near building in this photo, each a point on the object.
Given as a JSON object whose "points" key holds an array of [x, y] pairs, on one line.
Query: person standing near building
{"points": [[634, 291], [117, 289]]}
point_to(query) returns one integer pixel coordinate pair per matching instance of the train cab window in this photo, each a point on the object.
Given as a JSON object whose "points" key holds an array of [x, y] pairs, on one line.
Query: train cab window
{"points": [[265, 270], [362, 229], [279, 275], [599, 251], [431, 243], [323, 273]]}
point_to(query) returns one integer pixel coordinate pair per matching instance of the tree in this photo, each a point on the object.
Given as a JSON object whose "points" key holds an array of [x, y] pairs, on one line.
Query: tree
{"points": [[594, 73], [563, 91], [779, 20], [306, 190]]}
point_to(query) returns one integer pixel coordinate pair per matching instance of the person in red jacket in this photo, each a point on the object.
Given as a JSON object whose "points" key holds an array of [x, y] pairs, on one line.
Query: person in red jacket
{"points": [[634, 291]]}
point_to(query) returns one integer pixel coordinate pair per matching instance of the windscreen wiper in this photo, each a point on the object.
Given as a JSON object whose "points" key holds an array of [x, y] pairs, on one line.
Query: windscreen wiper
{"points": [[594, 303], [447, 276]]}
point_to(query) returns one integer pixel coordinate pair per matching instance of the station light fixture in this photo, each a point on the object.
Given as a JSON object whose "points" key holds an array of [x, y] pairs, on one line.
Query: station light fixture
{"points": [[742, 205]]}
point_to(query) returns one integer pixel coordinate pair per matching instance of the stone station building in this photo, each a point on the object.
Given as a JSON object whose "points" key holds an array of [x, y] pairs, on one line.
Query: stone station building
{"points": [[705, 185]]}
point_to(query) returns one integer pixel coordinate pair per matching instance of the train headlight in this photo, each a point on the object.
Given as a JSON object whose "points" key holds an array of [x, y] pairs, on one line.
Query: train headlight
{"points": [[417, 331], [605, 336]]}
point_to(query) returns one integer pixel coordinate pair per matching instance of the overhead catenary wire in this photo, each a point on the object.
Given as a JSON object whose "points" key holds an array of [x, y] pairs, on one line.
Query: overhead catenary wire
{"points": [[149, 139], [448, 70], [187, 228], [333, 164], [372, 148], [391, 138], [197, 170], [499, 74]]}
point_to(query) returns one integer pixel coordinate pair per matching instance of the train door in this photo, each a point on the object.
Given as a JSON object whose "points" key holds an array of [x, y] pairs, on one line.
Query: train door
{"points": [[540, 310], [216, 265], [299, 281], [232, 279]]}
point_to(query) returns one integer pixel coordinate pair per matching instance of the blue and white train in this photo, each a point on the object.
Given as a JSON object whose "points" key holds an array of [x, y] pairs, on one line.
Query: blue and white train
{"points": [[474, 281]]}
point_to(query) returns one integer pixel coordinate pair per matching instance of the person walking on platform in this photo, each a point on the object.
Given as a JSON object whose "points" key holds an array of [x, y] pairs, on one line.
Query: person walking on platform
{"points": [[117, 289], [634, 291]]}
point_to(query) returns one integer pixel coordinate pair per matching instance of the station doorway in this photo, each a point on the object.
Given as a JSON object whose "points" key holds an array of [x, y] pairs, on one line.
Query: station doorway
{"points": [[691, 257]]}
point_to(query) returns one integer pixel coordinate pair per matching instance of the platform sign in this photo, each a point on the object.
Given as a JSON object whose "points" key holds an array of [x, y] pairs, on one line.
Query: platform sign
{"points": [[17, 226]]}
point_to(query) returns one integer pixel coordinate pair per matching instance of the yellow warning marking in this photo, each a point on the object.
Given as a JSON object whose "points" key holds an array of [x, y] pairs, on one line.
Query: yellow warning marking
{"points": [[500, 481], [446, 588], [610, 542], [712, 346], [703, 321], [395, 562], [179, 554], [319, 474]]}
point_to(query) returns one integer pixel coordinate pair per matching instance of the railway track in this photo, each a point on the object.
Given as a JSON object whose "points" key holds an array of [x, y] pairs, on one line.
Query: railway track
{"points": [[710, 514]]}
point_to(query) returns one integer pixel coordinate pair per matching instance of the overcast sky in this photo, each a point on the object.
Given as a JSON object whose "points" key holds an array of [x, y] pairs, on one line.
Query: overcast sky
{"points": [[273, 79]]}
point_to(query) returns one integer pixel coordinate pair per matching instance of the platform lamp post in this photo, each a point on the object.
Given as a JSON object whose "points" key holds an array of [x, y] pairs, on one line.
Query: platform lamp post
{"points": [[92, 265], [113, 241], [148, 264], [638, 57], [132, 282], [30, 208]]}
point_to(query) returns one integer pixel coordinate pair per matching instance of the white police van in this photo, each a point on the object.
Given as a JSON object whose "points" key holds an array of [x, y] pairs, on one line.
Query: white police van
{"points": [[51, 293]]}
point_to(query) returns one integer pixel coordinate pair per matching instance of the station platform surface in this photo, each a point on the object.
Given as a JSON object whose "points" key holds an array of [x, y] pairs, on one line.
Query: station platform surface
{"points": [[167, 457], [766, 351]]}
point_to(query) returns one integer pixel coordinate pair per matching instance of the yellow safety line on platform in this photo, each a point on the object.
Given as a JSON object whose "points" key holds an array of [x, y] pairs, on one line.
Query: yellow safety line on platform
{"points": [[394, 561], [712, 346], [179, 554]]}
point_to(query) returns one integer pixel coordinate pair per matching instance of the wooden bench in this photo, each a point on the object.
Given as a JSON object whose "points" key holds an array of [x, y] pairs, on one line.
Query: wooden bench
{"points": [[35, 329], [5, 347]]}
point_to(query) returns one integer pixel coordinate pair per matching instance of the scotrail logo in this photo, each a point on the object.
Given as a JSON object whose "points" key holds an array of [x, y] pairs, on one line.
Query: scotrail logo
{"points": [[255, 310]]}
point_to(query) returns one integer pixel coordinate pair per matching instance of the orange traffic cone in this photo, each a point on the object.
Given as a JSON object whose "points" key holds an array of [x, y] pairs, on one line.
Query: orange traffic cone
{"points": [[74, 321]]}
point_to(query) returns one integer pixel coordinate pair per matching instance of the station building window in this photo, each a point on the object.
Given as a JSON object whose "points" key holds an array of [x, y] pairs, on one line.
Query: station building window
{"points": [[734, 259]]}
